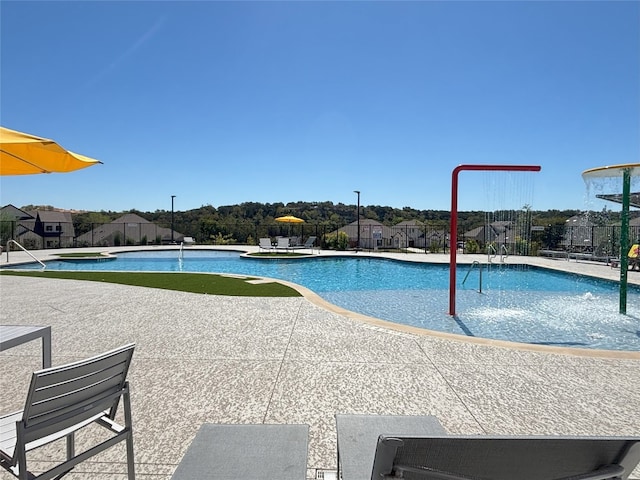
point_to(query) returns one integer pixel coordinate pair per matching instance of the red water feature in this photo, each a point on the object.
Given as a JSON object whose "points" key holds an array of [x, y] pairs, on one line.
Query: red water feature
{"points": [[453, 236]]}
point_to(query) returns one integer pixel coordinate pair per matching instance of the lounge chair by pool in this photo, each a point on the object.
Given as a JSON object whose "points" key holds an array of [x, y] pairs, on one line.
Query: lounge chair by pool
{"points": [[308, 244], [283, 243], [506, 458], [265, 244], [417, 447]]}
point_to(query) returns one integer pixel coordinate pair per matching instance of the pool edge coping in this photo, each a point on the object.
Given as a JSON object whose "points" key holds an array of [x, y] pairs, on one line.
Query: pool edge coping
{"points": [[317, 300]]}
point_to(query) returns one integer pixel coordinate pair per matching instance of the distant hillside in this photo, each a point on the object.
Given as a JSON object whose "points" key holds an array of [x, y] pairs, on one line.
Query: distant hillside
{"points": [[316, 213], [246, 222]]}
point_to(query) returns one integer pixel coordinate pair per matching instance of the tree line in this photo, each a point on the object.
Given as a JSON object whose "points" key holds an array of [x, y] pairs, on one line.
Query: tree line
{"points": [[208, 219]]}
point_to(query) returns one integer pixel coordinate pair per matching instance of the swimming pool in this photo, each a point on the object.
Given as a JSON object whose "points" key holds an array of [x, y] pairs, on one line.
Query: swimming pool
{"points": [[517, 303]]}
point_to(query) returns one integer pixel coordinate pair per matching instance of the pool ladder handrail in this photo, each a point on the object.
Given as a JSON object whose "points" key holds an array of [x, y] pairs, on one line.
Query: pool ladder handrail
{"points": [[506, 252], [473, 265], [10, 241], [489, 256]]}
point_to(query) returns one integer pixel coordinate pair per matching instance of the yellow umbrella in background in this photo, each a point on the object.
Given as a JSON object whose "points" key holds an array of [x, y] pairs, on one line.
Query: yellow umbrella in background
{"points": [[25, 154], [289, 219]]}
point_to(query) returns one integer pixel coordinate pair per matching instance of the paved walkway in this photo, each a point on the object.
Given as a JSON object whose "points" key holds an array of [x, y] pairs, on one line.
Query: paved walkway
{"points": [[213, 359]]}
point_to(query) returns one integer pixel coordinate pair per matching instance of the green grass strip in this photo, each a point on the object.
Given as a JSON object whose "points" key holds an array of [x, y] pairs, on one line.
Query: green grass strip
{"points": [[184, 282]]}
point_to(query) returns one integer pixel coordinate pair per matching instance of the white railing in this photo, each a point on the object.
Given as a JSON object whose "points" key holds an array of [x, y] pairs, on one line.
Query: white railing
{"points": [[9, 242], [506, 253], [491, 248]]}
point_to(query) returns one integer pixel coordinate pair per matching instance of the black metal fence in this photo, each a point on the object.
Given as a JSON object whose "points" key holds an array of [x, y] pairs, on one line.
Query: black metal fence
{"points": [[601, 241]]}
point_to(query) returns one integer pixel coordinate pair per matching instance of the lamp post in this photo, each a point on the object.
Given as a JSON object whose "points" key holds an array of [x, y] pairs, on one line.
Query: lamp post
{"points": [[172, 197], [357, 192]]}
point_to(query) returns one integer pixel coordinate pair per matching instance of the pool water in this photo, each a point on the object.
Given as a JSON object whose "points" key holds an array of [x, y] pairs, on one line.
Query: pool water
{"points": [[517, 303]]}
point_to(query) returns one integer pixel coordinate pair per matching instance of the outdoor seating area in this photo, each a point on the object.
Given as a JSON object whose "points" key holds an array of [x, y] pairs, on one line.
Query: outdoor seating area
{"points": [[584, 256], [633, 259], [285, 244], [247, 369], [63, 400], [308, 244], [372, 447]]}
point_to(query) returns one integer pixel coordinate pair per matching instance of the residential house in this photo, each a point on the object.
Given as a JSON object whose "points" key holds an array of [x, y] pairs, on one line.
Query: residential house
{"points": [[18, 225], [55, 228], [373, 234], [408, 234], [497, 233], [37, 229], [129, 229]]}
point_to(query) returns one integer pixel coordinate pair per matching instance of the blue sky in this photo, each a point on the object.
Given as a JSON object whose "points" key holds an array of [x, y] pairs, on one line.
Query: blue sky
{"points": [[221, 103]]}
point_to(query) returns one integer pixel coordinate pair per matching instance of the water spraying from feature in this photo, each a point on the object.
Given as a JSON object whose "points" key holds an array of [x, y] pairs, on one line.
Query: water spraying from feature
{"points": [[626, 172], [454, 217]]}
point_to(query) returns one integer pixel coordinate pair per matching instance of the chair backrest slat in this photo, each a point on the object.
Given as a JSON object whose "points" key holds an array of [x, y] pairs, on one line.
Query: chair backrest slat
{"points": [[68, 417], [75, 392], [49, 406], [89, 366], [64, 388]]}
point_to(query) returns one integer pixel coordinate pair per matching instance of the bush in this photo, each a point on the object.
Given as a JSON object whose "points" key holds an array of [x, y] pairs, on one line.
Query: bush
{"points": [[220, 239], [535, 248], [435, 247], [337, 241], [471, 246]]}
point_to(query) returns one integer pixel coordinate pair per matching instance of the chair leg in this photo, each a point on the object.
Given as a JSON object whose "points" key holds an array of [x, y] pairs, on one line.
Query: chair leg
{"points": [[129, 425], [131, 473], [23, 474], [71, 447], [22, 466]]}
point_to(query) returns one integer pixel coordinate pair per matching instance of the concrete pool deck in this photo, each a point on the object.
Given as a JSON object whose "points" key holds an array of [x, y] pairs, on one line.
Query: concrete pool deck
{"points": [[213, 359]]}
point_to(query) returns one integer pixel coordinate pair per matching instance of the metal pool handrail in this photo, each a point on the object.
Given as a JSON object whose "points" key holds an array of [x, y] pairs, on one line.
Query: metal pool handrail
{"points": [[9, 242], [489, 249], [506, 253], [473, 265]]}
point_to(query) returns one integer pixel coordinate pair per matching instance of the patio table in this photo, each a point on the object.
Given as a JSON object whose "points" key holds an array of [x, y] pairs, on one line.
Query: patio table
{"points": [[14, 335]]}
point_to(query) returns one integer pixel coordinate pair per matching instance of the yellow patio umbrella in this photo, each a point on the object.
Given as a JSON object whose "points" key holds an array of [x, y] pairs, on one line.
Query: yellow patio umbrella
{"points": [[25, 154], [289, 219]]}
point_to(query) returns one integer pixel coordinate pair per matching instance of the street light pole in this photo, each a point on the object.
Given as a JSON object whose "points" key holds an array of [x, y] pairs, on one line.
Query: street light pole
{"points": [[357, 192], [172, 197]]}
